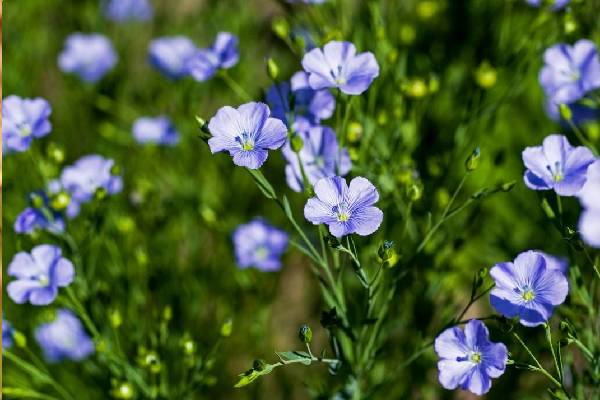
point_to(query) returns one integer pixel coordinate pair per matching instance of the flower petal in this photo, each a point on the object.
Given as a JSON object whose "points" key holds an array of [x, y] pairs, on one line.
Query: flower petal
{"points": [[252, 159], [273, 134], [451, 343], [332, 190], [366, 220]]}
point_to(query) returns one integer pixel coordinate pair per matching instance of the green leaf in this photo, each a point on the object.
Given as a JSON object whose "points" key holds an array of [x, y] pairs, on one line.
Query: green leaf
{"points": [[294, 356], [251, 375], [263, 184]]}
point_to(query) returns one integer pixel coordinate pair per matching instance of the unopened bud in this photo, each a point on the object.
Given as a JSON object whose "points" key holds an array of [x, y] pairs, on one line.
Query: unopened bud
{"points": [[56, 153], [486, 75], [272, 69], [123, 391], [547, 209], [355, 131], [19, 339], [227, 328], [100, 194], [305, 334], [36, 200], [473, 161], [565, 112], [570, 23], [414, 192], [152, 362], [297, 143], [508, 186], [60, 201], [281, 27], [115, 318], [167, 313], [189, 347]]}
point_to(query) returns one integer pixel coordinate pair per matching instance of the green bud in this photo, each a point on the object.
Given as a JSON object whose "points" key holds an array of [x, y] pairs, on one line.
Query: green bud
{"points": [[189, 347], [60, 201], [115, 170], [115, 318], [36, 200], [227, 328], [259, 365], [414, 192], [167, 313], [385, 250], [305, 334], [152, 362], [56, 153], [408, 34], [281, 27], [565, 112], [332, 241], [473, 161], [508, 186], [272, 69], [123, 391], [100, 194], [125, 224], [547, 209], [19, 339], [355, 131], [297, 143], [486, 75], [570, 23]]}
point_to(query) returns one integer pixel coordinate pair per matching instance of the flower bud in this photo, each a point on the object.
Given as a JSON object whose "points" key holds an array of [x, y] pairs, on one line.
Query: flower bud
{"points": [[36, 200], [115, 170], [408, 34], [508, 186], [100, 194], [272, 69], [547, 209], [115, 318], [123, 391], [570, 23], [473, 161], [416, 88], [167, 313], [259, 365], [60, 201], [125, 224], [56, 153], [281, 27], [297, 143], [189, 347], [486, 75], [385, 250], [152, 362], [414, 192], [19, 339], [227, 328], [434, 84], [332, 241], [565, 112], [354, 132], [305, 334]]}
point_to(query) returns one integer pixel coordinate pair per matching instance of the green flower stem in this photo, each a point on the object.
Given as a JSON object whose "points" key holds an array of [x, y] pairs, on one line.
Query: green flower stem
{"points": [[22, 393], [234, 86], [578, 132], [557, 365], [538, 366]]}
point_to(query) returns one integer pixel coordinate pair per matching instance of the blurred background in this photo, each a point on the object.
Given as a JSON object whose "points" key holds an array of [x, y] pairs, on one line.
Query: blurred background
{"points": [[159, 268]]}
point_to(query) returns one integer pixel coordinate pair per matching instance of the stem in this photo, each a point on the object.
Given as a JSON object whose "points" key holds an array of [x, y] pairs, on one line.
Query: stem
{"points": [[539, 367], [581, 136], [234, 86], [556, 363]]}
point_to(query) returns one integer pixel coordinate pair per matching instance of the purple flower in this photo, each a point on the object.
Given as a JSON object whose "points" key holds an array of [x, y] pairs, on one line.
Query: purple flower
{"points": [[344, 209], [310, 106], [128, 10], [39, 216], [258, 244], [64, 338], [589, 221], [530, 288], [223, 53], [90, 173], [556, 5], [468, 359], [22, 121], [7, 334], [158, 130], [320, 156], [338, 66], [171, 55], [570, 72], [246, 133], [39, 275], [88, 56], [556, 165]]}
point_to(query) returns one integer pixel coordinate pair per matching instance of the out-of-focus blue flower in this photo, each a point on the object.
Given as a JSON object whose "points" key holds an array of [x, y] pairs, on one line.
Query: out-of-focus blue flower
{"points": [[556, 4], [556, 165], [82, 179], [258, 244], [338, 66], [468, 359], [247, 133], [22, 121], [39, 275], [64, 338], [570, 72], [171, 55], [88, 56], [528, 288], [158, 130], [39, 216], [589, 221], [320, 156], [310, 106], [580, 113], [223, 54], [7, 334], [128, 10], [345, 209]]}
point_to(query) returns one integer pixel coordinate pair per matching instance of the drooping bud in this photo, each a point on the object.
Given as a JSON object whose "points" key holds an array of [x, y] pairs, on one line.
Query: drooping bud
{"points": [[472, 161], [565, 112], [272, 69], [305, 334], [281, 27]]}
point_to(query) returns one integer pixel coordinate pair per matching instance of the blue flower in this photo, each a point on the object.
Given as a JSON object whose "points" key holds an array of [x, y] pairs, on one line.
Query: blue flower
{"points": [[39, 216], [345, 209], [39, 275], [158, 130], [22, 121], [128, 10], [223, 54], [320, 156], [171, 55], [338, 66], [556, 5], [7, 334], [310, 106], [556, 165], [528, 288], [247, 133], [82, 179], [64, 338], [468, 359], [589, 221], [258, 244], [88, 56], [570, 72]]}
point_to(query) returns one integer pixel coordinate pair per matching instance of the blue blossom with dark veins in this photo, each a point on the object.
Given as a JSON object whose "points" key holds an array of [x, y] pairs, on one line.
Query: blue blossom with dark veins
{"points": [[258, 244], [246, 133], [589, 221], [158, 130], [88, 56], [468, 359], [171, 55], [7, 334], [128, 10], [223, 54], [570, 72], [320, 156], [556, 165], [528, 288], [310, 106], [22, 121], [338, 66], [345, 209], [38, 275], [64, 338]]}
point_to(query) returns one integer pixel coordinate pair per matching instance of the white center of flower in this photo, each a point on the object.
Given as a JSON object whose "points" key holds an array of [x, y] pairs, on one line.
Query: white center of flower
{"points": [[43, 279], [342, 212], [245, 141], [556, 171], [528, 295], [261, 253], [25, 130], [476, 357]]}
